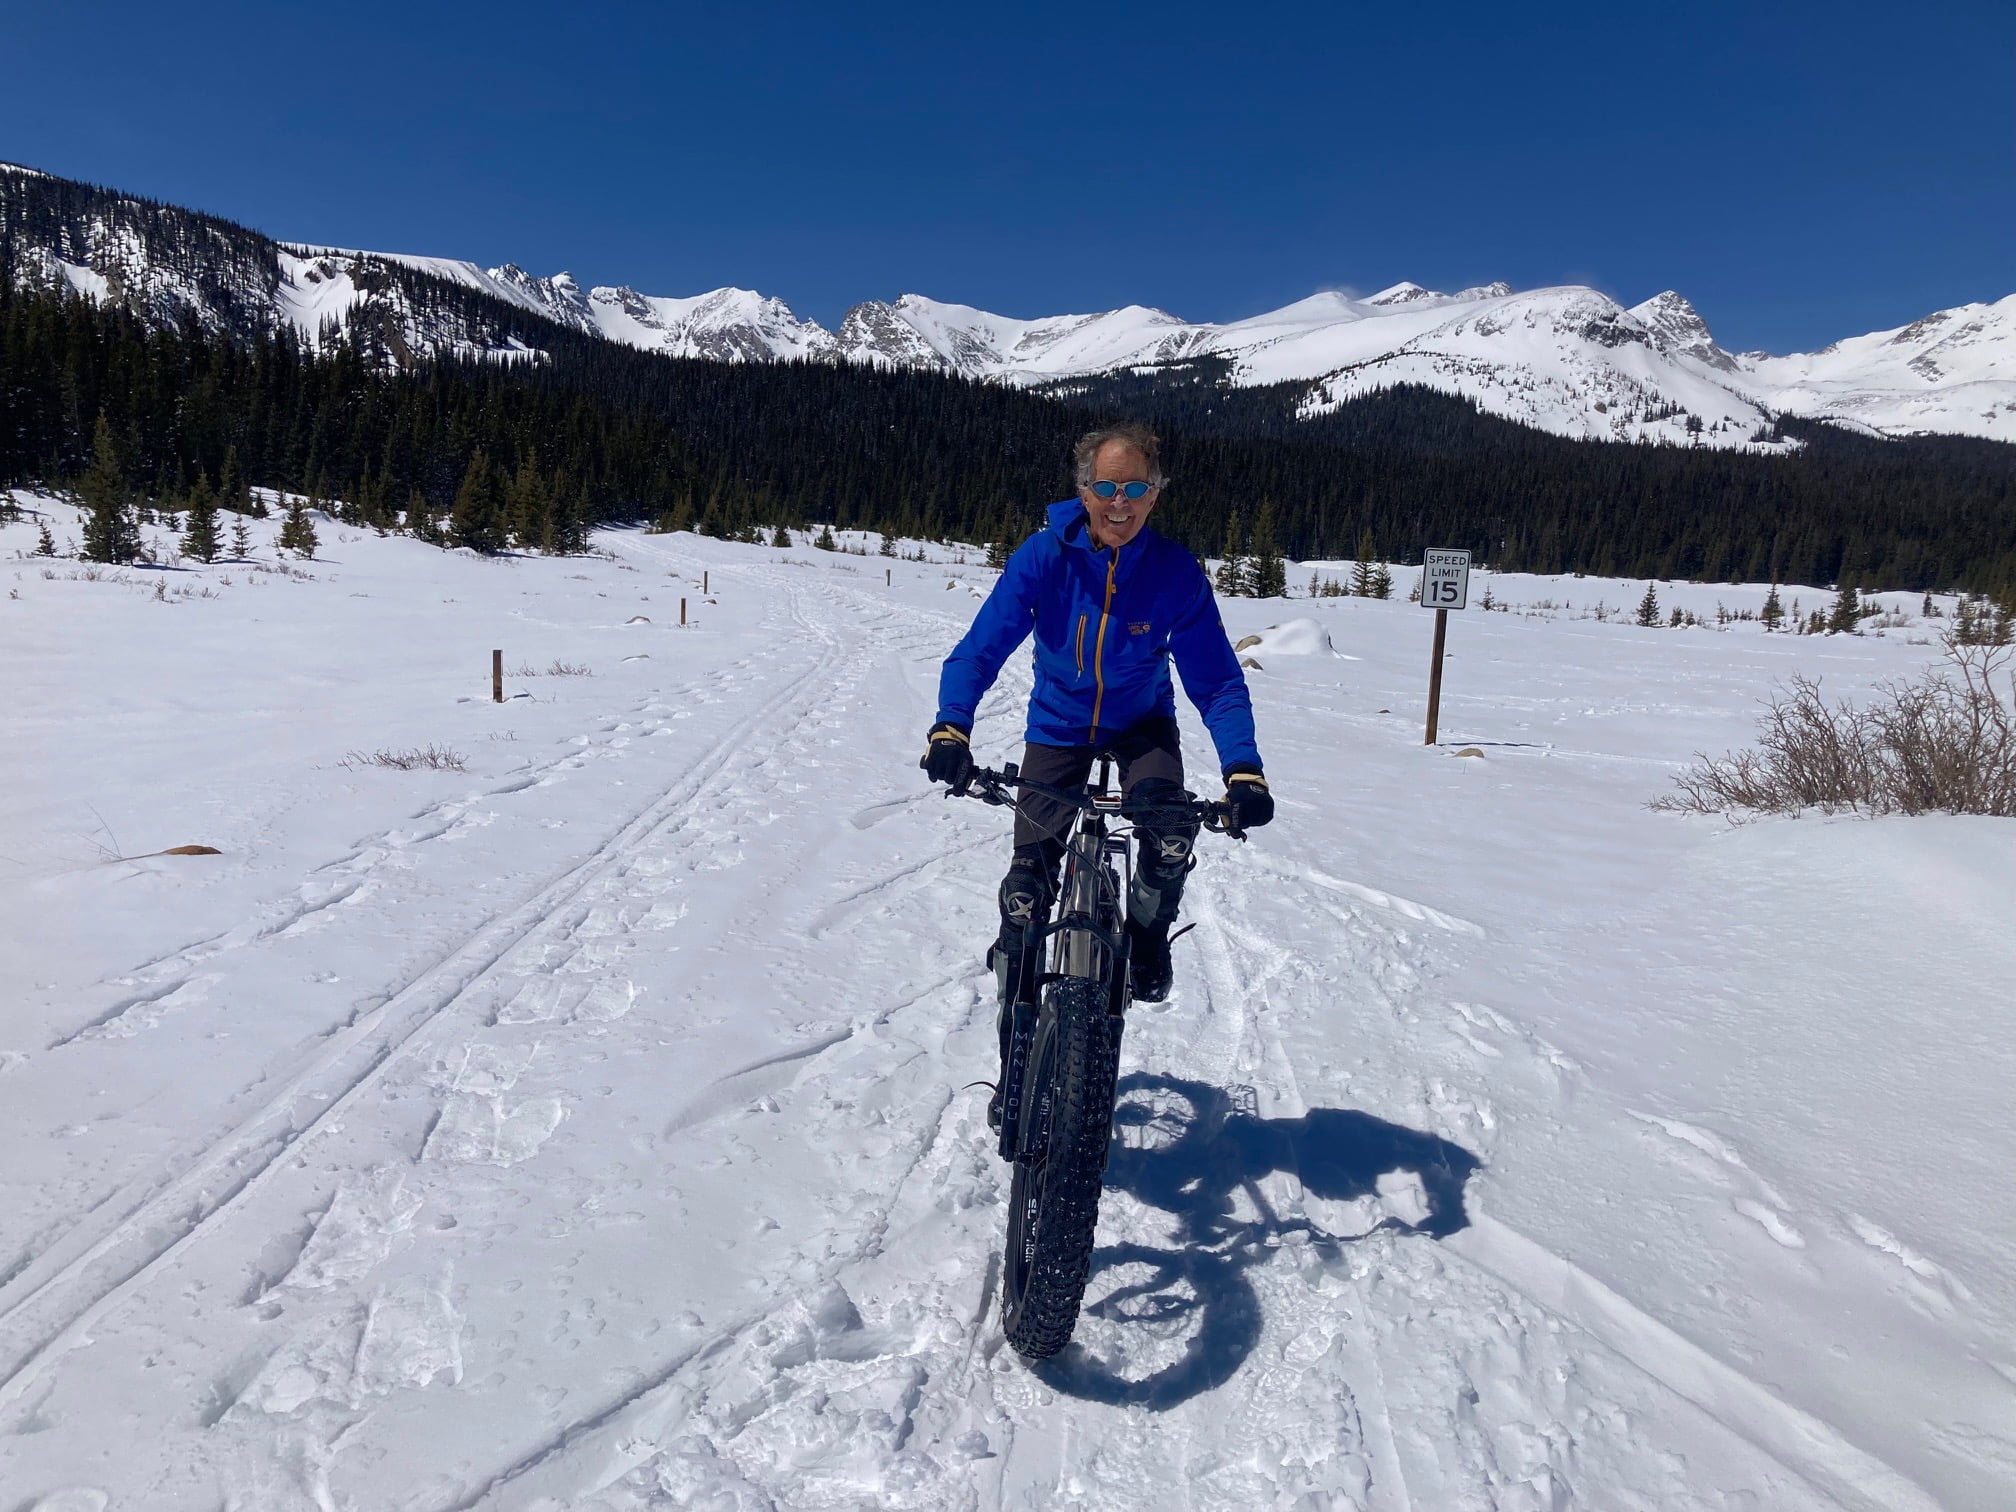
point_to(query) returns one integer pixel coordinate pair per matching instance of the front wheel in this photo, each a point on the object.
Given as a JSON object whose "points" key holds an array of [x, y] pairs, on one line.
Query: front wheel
{"points": [[1053, 1202]]}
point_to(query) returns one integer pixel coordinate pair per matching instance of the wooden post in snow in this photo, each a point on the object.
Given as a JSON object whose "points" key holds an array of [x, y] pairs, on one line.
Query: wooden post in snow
{"points": [[1435, 677], [496, 677], [682, 611]]}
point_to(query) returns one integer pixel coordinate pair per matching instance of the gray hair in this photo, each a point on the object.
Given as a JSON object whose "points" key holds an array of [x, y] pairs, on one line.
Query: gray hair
{"points": [[1132, 433]]}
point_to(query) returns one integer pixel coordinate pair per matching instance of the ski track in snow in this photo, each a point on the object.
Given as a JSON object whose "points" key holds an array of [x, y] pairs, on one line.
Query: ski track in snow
{"points": [[138, 1233], [1273, 1320]]}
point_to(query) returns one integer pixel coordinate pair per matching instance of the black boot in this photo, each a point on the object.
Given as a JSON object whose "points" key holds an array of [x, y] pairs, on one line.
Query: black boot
{"points": [[1025, 908], [1148, 961]]}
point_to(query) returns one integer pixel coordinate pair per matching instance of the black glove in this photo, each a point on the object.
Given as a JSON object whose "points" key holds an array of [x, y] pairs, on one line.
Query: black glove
{"points": [[1246, 791], [949, 756]]}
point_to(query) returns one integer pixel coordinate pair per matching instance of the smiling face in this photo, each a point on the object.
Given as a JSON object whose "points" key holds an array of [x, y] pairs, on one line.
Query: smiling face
{"points": [[1117, 520]]}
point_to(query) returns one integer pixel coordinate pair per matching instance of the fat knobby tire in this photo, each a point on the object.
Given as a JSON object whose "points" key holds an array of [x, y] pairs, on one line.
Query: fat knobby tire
{"points": [[1054, 1202]]}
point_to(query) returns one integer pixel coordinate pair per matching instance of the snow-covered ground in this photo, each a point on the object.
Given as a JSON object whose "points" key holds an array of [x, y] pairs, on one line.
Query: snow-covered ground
{"points": [[592, 1127]]}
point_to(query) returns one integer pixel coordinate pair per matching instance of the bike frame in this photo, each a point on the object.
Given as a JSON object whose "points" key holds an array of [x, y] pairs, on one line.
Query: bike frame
{"points": [[1087, 938]]}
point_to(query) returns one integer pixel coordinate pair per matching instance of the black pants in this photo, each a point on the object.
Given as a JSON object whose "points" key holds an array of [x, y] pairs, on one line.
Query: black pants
{"points": [[1150, 759]]}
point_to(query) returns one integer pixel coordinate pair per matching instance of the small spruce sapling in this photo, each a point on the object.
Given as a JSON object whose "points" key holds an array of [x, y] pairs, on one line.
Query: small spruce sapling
{"points": [[1267, 574], [1231, 578], [1648, 608], [45, 543], [297, 531], [111, 534], [1361, 569], [199, 539]]}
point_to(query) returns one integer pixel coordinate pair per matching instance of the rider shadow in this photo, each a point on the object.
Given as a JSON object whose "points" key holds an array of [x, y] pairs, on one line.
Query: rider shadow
{"points": [[1161, 1326]]}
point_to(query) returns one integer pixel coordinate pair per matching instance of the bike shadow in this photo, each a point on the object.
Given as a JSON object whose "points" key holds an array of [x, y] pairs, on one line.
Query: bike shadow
{"points": [[1162, 1325]]}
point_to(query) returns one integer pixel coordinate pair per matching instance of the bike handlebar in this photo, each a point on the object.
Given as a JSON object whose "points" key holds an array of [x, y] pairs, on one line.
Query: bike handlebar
{"points": [[993, 787]]}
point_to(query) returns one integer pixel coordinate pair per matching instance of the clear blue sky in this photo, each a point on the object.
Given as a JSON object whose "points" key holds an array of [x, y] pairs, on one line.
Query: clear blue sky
{"points": [[1801, 170]]}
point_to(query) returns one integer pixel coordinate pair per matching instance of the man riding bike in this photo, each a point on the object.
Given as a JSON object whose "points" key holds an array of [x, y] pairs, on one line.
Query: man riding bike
{"points": [[1111, 603]]}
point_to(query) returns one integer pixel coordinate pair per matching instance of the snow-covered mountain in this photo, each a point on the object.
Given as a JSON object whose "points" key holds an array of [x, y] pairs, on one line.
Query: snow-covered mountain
{"points": [[732, 325], [1953, 371], [1568, 360]]}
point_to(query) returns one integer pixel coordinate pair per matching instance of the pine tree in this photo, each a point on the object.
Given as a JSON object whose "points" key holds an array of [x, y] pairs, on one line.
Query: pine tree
{"points": [[570, 525], [1773, 612], [199, 540], [1361, 569], [241, 539], [1847, 610], [1928, 610], [232, 494], [888, 547], [824, 540], [45, 543], [1231, 578], [1648, 608], [1382, 582], [528, 509], [419, 518], [1269, 570], [477, 520], [112, 534], [781, 539], [297, 531]]}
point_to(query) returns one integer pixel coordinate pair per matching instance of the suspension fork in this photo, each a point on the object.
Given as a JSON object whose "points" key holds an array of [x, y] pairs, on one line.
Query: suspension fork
{"points": [[1086, 943]]}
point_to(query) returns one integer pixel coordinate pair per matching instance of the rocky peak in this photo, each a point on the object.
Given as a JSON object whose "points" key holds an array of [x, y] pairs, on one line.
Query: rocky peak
{"points": [[1677, 327]]}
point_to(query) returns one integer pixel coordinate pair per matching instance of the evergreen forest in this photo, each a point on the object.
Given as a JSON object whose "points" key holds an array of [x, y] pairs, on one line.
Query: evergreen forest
{"points": [[492, 454]]}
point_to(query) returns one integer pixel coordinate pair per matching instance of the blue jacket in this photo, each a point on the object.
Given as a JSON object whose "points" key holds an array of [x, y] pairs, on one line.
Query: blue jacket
{"points": [[1107, 624]]}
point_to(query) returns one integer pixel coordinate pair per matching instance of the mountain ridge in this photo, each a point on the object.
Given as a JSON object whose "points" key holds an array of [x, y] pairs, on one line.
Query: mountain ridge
{"points": [[1569, 360]]}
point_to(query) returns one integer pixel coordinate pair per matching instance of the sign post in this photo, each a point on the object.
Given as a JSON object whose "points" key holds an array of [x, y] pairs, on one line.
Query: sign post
{"points": [[1445, 585]]}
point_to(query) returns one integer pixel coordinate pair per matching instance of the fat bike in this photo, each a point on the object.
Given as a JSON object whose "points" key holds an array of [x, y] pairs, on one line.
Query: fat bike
{"points": [[1057, 1092]]}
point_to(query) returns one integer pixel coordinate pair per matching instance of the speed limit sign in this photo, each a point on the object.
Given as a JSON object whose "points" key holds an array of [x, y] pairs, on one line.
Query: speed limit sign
{"points": [[1445, 579]]}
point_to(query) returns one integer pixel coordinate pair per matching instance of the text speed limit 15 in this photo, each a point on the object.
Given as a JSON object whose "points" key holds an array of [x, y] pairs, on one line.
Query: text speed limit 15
{"points": [[1445, 579]]}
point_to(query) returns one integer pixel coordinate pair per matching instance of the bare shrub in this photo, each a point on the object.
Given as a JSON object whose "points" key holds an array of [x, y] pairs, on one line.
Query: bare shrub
{"points": [[430, 758], [1944, 744], [569, 669]]}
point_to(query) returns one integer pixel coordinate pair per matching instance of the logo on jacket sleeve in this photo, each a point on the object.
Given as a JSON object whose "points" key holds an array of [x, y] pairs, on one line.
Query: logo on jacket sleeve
{"points": [[1138, 627]]}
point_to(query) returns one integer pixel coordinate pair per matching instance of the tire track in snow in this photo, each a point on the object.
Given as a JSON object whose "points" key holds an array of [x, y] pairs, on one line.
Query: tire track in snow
{"points": [[709, 1385], [136, 1239]]}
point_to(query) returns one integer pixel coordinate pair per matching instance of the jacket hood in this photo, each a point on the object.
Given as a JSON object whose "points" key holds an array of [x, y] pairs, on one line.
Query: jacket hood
{"points": [[1069, 520]]}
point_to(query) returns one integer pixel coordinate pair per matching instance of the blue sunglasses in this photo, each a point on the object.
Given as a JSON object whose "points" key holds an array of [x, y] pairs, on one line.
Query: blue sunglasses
{"points": [[1106, 489]]}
